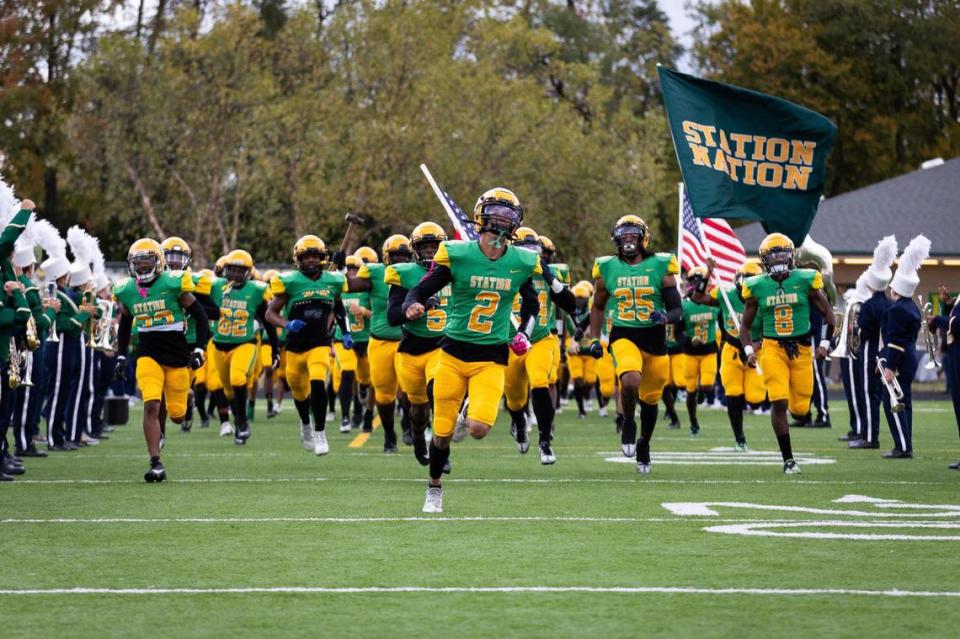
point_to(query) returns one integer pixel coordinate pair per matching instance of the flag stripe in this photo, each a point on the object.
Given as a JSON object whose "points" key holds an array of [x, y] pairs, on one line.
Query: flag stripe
{"points": [[711, 237]]}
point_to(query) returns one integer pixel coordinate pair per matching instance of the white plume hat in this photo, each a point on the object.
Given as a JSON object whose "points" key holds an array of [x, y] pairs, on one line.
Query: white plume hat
{"points": [[879, 273], [905, 282], [48, 238]]}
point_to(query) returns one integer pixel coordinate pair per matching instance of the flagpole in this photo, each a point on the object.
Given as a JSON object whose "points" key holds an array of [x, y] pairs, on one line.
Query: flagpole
{"points": [[680, 188], [436, 191]]}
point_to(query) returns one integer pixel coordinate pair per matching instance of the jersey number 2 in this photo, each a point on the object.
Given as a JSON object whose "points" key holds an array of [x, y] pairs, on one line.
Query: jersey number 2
{"points": [[481, 317]]}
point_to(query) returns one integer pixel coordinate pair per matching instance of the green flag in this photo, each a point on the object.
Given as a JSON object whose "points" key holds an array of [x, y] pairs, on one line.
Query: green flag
{"points": [[747, 155]]}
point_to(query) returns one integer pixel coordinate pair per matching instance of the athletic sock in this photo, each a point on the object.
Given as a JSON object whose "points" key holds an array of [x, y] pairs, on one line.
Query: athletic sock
{"points": [[318, 403], [386, 412], [783, 441], [240, 406], [329, 393], [519, 418], [438, 459], [629, 433], [154, 461], [578, 395], [346, 393], [303, 409], [269, 402], [648, 421], [200, 400], [735, 405], [543, 409]]}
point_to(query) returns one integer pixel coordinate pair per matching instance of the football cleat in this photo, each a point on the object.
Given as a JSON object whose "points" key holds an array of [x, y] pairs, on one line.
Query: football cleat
{"points": [[226, 428], [546, 454], [320, 446], [603, 411], [447, 467], [345, 425], [741, 447], [643, 468], [790, 468], [461, 431], [273, 412], [629, 450], [242, 436], [330, 417], [420, 450], [186, 425], [434, 501], [306, 436], [204, 423], [407, 438], [389, 449], [156, 474]]}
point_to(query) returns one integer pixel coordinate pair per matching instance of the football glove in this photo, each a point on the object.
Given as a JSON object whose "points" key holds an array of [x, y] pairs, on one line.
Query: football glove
{"points": [[520, 343], [658, 318], [596, 349], [339, 260], [197, 359], [120, 368], [295, 326], [347, 341]]}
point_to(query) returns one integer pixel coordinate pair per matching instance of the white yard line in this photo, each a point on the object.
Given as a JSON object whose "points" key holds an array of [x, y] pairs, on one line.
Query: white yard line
{"points": [[348, 590], [374, 520]]}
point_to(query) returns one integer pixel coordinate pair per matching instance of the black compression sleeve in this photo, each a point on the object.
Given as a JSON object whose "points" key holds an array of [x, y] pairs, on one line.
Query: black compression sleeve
{"points": [[566, 300], [395, 314], [196, 311], [340, 315], [438, 277], [211, 309], [529, 304], [268, 328], [123, 333], [671, 300]]}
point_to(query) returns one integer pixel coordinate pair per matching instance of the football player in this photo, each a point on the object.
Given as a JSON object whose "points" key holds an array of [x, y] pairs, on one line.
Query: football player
{"points": [[302, 303], [643, 286], [484, 275], [579, 361], [158, 303], [351, 365], [242, 300], [699, 345], [781, 297]]}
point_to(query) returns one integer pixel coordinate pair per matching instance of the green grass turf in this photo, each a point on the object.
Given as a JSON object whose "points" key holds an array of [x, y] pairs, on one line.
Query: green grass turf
{"points": [[661, 550]]}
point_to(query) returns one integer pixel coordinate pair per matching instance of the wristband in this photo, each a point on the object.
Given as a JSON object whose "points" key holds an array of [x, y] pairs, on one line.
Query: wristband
{"points": [[556, 286], [748, 350], [825, 343]]}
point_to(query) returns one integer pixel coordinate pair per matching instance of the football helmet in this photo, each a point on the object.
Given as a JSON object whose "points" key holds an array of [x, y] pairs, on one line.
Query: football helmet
{"points": [[694, 275], [238, 266], [747, 269], [269, 274], [426, 233], [631, 235], [309, 246], [498, 211], [549, 249], [367, 254], [587, 284], [176, 253], [527, 238], [777, 254], [218, 266], [396, 249], [145, 260], [354, 262]]}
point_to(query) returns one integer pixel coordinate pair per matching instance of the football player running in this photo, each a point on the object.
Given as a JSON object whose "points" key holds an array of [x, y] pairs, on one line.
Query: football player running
{"points": [[781, 297], [158, 302], [484, 275], [699, 345], [302, 303], [643, 286]]}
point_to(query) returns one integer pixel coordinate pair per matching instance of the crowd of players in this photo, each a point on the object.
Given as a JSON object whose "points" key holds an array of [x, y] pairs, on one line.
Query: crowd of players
{"points": [[435, 334]]}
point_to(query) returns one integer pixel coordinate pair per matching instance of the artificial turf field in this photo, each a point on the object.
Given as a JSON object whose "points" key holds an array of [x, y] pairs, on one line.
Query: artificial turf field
{"points": [[269, 540]]}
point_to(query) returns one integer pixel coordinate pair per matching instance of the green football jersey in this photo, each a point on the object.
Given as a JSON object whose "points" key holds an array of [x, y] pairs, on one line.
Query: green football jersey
{"points": [[238, 310], [155, 307], [379, 300], [727, 322], [672, 343], [483, 290], [359, 326], [700, 321], [636, 289], [784, 307], [310, 300], [561, 272], [407, 276], [202, 285], [547, 314]]}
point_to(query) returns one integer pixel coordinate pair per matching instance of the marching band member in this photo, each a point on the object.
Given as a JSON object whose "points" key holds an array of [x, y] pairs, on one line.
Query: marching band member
{"points": [[853, 384], [869, 321], [949, 322], [898, 356]]}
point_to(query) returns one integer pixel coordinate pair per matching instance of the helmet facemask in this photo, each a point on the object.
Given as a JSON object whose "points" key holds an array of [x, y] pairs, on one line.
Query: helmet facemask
{"points": [[629, 239], [236, 273], [425, 250], [778, 262], [310, 262], [177, 261], [399, 256], [501, 218], [144, 267]]}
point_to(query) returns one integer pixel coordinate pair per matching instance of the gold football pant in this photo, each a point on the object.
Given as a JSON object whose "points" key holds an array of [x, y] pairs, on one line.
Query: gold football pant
{"points": [[236, 366], [483, 381], [678, 376], [606, 373], [212, 374], [738, 378], [414, 372], [170, 383], [306, 367], [383, 369], [700, 371], [582, 367], [785, 378], [537, 368], [654, 369]]}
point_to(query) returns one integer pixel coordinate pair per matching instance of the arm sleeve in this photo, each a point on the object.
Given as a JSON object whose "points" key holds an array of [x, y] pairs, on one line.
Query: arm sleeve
{"points": [[7, 317], [196, 311], [395, 315], [529, 304], [671, 301], [340, 315], [438, 277], [123, 333], [896, 326], [208, 305], [268, 328], [12, 231], [566, 300]]}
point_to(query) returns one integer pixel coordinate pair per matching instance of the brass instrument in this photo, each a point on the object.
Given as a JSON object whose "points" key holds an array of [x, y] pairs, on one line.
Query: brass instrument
{"points": [[893, 387], [926, 310], [105, 328], [32, 336], [849, 340], [13, 368], [51, 294]]}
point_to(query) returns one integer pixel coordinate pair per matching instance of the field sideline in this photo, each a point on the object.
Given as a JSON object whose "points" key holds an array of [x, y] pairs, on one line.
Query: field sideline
{"points": [[268, 538]]}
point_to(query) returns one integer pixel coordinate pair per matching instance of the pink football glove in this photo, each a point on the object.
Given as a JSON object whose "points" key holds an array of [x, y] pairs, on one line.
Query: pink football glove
{"points": [[520, 344]]}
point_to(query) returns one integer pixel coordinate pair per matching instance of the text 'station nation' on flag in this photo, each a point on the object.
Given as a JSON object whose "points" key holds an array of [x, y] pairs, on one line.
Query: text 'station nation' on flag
{"points": [[713, 238], [747, 155]]}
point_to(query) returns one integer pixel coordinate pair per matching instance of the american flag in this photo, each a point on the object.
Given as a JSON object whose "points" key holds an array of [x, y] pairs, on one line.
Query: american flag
{"points": [[463, 226], [713, 237]]}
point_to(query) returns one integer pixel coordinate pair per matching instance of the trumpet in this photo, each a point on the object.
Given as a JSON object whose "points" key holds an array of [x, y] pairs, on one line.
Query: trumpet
{"points": [[105, 329], [893, 387], [13, 368], [51, 294], [926, 310]]}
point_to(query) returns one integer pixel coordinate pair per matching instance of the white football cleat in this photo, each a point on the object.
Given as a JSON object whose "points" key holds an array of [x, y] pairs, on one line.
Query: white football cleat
{"points": [[461, 431], [330, 417], [629, 450], [790, 468], [603, 411], [588, 406], [320, 446], [643, 468], [546, 455], [226, 429], [306, 436], [434, 501]]}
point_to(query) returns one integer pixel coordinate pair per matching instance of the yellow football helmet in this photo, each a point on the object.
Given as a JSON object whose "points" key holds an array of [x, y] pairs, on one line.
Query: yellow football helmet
{"points": [[527, 238], [396, 249], [206, 273], [269, 274], [498, 211], [354, 262], [548, 246], [176, 253], [777, 254], [631, 235], [750, 268], [145, 260], [218, 266], [238, 266], [426, 233], [581, 291], [309, 245], [367, 254]]}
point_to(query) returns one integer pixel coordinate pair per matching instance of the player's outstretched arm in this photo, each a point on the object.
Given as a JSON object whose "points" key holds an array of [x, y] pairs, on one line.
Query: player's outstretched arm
{"points": [[434, 281], [193, 308], [395, 315], [600, 298], [819, 301]]}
